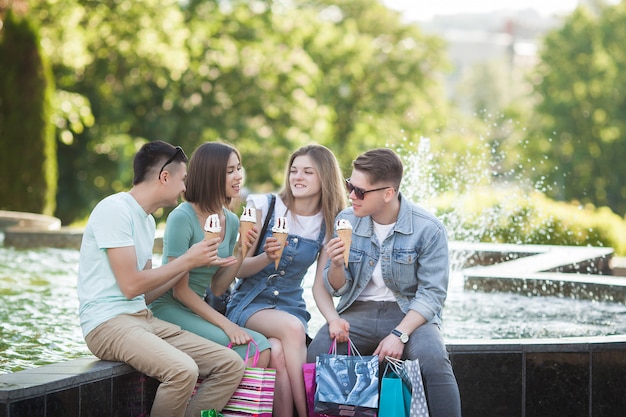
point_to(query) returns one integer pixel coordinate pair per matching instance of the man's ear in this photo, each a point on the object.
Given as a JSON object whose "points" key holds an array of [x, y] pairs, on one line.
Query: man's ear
{"points": [[390, 194]]}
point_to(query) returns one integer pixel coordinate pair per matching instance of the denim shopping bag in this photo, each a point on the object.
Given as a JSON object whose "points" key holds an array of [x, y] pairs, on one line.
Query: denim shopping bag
{"points": [[346, 384]]}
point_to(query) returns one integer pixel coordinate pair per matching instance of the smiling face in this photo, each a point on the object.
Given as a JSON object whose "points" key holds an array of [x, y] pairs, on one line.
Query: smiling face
{"points": [[373, 201], [304, 180], [234, 176]]}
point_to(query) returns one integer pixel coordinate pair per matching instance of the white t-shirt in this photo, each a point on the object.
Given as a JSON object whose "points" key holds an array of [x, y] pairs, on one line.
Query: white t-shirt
{"points": [[117, 221], [376, 290], [308, 227]]}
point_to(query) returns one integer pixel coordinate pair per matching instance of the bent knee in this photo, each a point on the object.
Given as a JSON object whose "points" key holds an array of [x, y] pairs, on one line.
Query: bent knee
{"points": [[183, 371], [292, 328], [277, 354]]}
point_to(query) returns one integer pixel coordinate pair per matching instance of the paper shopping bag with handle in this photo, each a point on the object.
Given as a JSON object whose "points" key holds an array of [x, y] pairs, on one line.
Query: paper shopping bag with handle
{"points": [[409, 371], [255, 394], [308, 371], [346, 384]]}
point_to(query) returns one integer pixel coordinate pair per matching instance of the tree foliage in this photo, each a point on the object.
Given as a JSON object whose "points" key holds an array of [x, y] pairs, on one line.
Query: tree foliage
{"points": [[266, 76], [28, 163], [581, 130], [381, 77]]}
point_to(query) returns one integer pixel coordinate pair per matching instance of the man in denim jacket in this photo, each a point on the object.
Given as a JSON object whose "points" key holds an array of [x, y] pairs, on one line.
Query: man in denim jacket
{"points": [[394, 287]]}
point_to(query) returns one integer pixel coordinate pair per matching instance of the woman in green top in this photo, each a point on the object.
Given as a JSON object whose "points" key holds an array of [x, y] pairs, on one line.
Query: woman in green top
{"points": [[214, 178]]}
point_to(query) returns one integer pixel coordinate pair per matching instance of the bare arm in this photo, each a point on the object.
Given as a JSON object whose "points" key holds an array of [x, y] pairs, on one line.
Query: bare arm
{"points": [[227, 273], [336, 271], [191, 300], [391, 345], [135, 282], [253, 264], [159, 291], [337, 327]]}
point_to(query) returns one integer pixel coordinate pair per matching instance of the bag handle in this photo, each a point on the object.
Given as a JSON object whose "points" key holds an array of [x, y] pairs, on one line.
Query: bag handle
{"points": [[389, 369], [395, 364], [270, 211], [333, 347], [351, 348], [255, 361]]}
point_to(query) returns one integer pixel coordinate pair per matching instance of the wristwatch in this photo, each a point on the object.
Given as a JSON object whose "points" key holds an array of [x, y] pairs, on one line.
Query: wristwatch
{"points": [[403, 336]]}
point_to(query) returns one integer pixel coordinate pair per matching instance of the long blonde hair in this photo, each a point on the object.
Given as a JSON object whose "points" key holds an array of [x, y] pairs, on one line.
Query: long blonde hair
{"points": [[333, 197]]}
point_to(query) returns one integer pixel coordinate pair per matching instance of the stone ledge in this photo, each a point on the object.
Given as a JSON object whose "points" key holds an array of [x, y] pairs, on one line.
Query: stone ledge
{"points": [[570, 271], [618, 266], [33, 237], [83, 387], [28, 220], [57, 377], [29, 230]]}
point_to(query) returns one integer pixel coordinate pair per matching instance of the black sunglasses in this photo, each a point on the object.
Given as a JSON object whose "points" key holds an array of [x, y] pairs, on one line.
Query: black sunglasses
{"points": [[359, 192], [171, 158]]}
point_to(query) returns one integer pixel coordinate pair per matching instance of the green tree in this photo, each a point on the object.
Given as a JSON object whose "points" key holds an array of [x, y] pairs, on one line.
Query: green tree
{"points": [[580, 135], [114, 63], [381, 76], [266, 76], [347, 75], [28, 163], [253, 85]]}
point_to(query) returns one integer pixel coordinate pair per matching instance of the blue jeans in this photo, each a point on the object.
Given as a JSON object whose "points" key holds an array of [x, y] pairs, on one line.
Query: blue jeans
{"points": [[372, 321]]}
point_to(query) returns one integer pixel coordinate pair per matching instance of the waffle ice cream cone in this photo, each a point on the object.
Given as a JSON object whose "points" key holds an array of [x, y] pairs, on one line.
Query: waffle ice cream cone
{"points": [[344, 231], [212, 227], [280, 232], [210, 235], [246, 223]]}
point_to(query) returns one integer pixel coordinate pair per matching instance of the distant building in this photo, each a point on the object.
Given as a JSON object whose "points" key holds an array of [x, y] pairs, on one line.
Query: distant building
{"points": [[507, 40]]}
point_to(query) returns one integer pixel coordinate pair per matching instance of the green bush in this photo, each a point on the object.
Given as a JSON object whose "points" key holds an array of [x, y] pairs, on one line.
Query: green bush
{"points": [[513, 216]]}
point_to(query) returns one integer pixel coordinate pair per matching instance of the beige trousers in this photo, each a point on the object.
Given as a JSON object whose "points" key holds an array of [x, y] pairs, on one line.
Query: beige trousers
{"points": [[172, 356]]}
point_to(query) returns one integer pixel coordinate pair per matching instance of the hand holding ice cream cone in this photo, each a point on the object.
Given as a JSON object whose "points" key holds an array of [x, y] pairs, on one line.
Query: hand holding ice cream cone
{"points": [[280, 231], [212, 227], [246, 223], [344, 231]]}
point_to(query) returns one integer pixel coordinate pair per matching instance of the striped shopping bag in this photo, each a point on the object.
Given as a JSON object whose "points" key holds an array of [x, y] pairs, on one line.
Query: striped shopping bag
{"points": [[255, 394]]}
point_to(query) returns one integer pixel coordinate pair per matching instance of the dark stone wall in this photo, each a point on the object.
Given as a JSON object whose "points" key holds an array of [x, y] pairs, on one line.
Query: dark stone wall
{"points": [[497, 378]]}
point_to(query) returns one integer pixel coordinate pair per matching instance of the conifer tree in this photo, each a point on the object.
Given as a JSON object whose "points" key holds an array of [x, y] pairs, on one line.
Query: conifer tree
{"points": [[28, 166]]}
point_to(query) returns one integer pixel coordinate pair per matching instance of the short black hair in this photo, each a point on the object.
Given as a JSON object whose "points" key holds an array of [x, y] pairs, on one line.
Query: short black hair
{"points": [[151, 156]]}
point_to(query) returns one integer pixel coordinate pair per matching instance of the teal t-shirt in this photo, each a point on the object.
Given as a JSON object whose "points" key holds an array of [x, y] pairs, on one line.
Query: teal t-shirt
{"points": [[117, 221], [182, 231]]}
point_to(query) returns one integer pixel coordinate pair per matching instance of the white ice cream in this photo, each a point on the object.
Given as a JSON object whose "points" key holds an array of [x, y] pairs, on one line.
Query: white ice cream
{"points": [[212, 224], [248, 215], [281, 225], [343, 224]]}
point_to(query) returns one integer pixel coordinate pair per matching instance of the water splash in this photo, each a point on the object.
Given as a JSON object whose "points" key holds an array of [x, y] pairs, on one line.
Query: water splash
{"points": [[485, 195]]}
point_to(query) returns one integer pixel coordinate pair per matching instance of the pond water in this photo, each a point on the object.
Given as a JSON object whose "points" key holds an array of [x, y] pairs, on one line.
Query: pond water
{"points": [[38, 310]]}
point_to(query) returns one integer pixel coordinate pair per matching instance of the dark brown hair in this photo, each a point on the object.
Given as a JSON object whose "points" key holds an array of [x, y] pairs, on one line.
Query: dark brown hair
{"points": [[206, 176], [380, 165]]}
